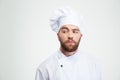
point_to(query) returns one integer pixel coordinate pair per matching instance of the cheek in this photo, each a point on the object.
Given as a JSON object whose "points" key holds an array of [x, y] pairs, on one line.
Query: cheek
{"points": [[78, 37], [62, 38]]}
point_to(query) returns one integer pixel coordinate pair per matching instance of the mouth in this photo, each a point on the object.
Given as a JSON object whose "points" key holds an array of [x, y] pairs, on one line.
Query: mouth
{"points": [[70, 42]]}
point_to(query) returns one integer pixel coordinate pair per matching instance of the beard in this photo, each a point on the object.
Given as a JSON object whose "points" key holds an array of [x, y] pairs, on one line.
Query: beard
{"points": [[69, 48]]}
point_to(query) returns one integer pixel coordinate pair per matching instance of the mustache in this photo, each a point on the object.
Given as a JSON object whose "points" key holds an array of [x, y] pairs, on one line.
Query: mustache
{"points": [[70, 40]]}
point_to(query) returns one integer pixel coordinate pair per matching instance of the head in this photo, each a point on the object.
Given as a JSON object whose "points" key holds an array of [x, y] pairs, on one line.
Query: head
{"points": [[68, 25], [69, 37]]}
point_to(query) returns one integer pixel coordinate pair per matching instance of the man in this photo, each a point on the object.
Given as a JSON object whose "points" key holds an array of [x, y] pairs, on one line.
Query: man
{"points": [[68, 63]]}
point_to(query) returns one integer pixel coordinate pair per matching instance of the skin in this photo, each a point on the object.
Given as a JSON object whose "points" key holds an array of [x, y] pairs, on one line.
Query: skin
{"points": [[69, 37]]}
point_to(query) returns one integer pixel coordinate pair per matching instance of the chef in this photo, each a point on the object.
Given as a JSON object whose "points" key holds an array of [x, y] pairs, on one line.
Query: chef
{"points": [[68, 63]]}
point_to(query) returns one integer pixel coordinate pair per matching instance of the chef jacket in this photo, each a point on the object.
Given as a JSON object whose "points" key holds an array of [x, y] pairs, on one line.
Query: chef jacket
{"points": [[79, 66]]}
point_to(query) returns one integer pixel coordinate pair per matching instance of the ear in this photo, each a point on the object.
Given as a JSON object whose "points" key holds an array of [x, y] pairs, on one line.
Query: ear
{"points": [[81, 35], [58, 36], [58, 33]]}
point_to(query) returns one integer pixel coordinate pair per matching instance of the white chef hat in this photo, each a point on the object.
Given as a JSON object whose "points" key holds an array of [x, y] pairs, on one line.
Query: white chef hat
{"points": [[63, 16]]}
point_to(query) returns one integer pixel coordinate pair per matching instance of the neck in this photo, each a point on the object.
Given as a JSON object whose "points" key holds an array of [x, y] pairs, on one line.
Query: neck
{"points": [[66, 53]]}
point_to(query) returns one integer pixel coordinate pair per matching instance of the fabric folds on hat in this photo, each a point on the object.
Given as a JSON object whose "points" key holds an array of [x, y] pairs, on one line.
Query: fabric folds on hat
{"points": [[63, 16]]}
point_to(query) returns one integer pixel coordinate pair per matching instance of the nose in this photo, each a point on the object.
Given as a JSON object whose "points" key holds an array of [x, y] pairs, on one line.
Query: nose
{"points": [[70, 35]]}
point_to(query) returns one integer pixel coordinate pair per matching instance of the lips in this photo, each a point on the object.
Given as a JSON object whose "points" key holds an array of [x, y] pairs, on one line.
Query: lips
{"points": [[70, 41]]}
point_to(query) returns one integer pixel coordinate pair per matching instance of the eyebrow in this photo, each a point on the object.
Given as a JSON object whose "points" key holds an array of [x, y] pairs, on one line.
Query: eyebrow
{"points": [[64, 28], [68, 29], [76, 29]]}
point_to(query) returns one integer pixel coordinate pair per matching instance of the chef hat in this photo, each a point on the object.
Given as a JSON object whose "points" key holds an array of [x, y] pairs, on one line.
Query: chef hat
{"points": [[63, 16]]}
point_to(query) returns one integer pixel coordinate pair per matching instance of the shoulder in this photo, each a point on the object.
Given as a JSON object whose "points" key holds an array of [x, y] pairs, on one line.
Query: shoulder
{"points": [[94, 61], [48, 62], [90, 58]]}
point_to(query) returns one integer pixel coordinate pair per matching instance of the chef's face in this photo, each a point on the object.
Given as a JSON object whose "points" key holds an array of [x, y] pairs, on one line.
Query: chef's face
{"points": [[69, 37]]}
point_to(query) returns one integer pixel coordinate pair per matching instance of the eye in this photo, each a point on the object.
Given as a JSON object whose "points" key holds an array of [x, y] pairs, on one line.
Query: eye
{"points": [[64, 31], [75, 31]]}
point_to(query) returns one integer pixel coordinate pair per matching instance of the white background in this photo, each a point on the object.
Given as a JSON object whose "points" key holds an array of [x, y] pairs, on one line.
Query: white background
{"points": [[26, 38]]}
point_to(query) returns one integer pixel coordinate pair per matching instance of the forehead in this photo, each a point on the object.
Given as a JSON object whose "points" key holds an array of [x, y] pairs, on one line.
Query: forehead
{"points": [[69, 26]]}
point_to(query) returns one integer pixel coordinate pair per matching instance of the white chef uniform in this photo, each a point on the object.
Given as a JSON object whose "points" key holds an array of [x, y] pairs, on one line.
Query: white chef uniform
{"points": [[79, 66]]}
